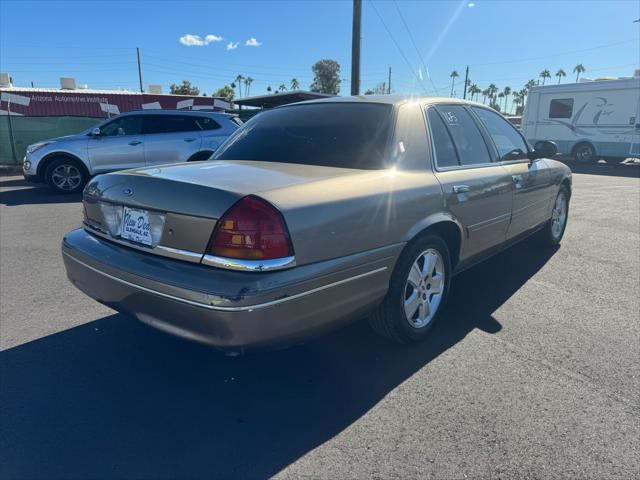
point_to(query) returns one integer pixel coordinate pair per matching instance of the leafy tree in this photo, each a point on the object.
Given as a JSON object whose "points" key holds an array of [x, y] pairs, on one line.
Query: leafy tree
{"points": [[453, 75], [326, 77], [226, 92], [578, 69], [369, 92], [185, 88], [560, 73], [269, 89], [295, 85], [544, 74]]}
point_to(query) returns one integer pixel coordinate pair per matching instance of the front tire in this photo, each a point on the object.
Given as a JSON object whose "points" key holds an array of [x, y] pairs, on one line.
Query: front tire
{"points": [[418, 290], [585, 153], [553, 231], [65, 175]]}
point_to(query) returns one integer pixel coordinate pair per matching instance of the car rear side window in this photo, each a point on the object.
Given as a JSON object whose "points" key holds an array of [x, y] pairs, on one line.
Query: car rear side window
{"points": [[561, 108], [445, 152], [510, 144], [206, 123], [340, 134], [178, 123], [470, 145]]}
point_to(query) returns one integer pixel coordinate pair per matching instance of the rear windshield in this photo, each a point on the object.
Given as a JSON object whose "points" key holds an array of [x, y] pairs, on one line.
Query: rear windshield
{"points": [[347, 135]]}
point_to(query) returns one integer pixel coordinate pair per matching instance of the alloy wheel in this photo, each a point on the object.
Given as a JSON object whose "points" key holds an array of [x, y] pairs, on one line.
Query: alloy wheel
{"points": [[559, 215], [66, 177], [424, 288]]}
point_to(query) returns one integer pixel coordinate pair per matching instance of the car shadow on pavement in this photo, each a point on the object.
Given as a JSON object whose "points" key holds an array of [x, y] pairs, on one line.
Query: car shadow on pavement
{"points": [[114, 398], [12, 194]]}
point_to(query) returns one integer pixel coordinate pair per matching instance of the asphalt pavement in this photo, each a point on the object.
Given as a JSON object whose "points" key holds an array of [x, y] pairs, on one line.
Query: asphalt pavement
{"points": [[533, 372]]}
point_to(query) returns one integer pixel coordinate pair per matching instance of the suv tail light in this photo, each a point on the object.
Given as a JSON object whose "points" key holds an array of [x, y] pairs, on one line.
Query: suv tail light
{"points": [[252, 229]]}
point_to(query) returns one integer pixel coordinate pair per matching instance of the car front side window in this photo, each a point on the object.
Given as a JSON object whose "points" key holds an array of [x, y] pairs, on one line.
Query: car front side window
{"points": [[468, 140], [509, 143], [129, 125]]}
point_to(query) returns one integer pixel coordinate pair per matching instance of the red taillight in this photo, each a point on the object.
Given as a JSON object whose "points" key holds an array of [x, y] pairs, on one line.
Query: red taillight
{"points": [[252, 229]]}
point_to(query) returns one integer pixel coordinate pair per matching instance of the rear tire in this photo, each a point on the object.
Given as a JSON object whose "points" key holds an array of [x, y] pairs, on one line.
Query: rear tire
{"points": [[552, 233], [65, 175], [585, 153], [417, 291], [200, 157]]}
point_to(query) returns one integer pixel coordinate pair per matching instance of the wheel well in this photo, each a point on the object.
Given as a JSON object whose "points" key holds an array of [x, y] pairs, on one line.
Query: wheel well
{"points": [[46, 161], [567, 184], [195, 156], [450, 233], [583, 142]]}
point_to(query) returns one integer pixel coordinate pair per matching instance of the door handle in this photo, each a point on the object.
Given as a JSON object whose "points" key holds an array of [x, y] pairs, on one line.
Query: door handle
{"points": [[135, 142], [460, 188], [189, 139], [517, 179]]}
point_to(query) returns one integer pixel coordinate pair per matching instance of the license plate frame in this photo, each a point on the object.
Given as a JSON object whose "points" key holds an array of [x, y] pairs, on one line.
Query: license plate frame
{"points": [[136, 226]]}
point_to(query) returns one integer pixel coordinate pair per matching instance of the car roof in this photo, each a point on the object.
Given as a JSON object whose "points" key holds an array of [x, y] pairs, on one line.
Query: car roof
{"points": [[181, 112], [388, 100]]}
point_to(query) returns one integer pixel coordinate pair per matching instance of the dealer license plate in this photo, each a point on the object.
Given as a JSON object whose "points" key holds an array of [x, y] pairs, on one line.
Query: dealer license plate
{"points": [[136, 226]]}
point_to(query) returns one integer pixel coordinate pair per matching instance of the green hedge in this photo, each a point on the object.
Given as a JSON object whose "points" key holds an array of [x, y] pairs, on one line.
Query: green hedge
{"points": [[28, 130]]}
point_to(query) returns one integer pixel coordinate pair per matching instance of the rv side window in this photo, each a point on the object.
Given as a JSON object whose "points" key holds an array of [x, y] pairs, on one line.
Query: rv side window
{"points": [[561, 108]]}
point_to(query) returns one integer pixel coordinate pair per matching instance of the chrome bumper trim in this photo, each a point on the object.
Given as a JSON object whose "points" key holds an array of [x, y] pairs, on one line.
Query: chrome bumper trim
{"points": [[249, 265], [222, 308]]}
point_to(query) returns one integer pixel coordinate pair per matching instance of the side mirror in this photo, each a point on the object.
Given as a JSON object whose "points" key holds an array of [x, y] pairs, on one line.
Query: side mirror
{"points": [[543, 149], [95, 132]]}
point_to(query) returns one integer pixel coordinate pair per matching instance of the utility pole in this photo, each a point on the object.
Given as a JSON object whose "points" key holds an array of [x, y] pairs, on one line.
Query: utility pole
{"points": [[389, 80], [139, 70], [355, 47], [466, 80]]}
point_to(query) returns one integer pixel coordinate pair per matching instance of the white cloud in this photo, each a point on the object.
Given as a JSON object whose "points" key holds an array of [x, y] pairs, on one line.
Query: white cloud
{"points": [[232, 45], [252, 42], [197, 41]]}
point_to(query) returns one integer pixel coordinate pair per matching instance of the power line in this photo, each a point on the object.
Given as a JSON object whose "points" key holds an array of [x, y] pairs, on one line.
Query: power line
{"points": [[557, 54], [413, 42], [397, 46]]}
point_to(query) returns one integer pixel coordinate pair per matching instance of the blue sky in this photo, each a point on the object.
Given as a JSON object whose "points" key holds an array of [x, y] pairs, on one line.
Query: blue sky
{"points": [[504, 42]]}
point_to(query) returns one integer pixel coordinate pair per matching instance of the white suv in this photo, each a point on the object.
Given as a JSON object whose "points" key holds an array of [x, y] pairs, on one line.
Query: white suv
{"points": [[130, 140]]}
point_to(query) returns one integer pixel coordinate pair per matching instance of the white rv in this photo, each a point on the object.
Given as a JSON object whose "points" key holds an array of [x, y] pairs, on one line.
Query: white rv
{"points": [[588, 120]]}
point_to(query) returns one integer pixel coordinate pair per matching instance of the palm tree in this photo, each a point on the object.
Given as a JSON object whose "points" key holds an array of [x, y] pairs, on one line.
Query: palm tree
{"points": [[578, 69], [453, 76], [282, 88], [485, 93], [492, 93], [544, 74], [471, 88], [560, 73], [247, 85], [530, 84], [238, 82], [523, 95], [516, 100], [506, 92], [295, 85], [475, 90]]}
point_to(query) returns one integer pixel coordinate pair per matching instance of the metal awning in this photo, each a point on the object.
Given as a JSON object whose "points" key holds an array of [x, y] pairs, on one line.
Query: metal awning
{"points": [[280, 98]]}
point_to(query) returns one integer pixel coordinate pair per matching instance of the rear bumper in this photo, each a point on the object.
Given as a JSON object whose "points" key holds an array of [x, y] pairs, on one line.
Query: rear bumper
{"points": [[224, 308]]}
